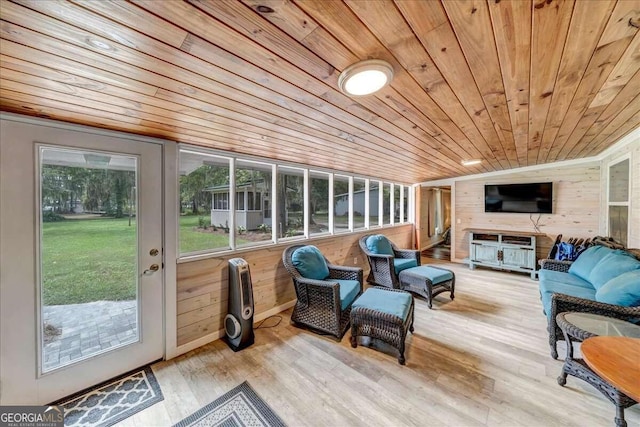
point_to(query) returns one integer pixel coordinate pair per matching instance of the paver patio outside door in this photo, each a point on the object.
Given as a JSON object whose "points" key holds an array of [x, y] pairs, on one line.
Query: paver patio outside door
{"points": [[80, 259]]}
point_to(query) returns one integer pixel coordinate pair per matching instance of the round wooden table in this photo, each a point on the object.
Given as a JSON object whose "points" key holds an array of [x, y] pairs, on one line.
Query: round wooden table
{"points": [[616, 360]]}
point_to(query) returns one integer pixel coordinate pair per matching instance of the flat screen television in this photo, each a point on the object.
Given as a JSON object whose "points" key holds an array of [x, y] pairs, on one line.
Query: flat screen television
{"points": [[519, 198]]}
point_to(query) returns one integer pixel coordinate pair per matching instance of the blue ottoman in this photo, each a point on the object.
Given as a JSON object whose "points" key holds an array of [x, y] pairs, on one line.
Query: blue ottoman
{"points": [[427, 281], [384, 314]]}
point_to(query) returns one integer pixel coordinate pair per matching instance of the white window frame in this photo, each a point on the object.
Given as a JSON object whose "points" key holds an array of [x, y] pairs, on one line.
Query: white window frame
{"points": [[307, 172]]}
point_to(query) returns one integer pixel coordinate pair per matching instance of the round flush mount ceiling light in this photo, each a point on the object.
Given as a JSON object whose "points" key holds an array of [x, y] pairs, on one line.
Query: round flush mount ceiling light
{"points": [[365, 77]]}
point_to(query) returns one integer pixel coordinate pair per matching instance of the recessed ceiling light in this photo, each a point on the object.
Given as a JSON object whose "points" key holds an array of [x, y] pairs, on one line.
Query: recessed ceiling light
{"points": [[471, 162], [365, 77]]}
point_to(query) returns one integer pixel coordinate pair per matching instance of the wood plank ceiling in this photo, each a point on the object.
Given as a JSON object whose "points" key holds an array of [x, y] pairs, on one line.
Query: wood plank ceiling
{"points": [[514, 83]]}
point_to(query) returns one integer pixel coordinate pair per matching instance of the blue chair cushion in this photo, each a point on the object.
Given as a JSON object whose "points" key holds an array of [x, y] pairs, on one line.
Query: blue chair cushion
{"points": [[400, 264], [623, 290], [548, 287], [379, 245], [436, 275], [611, 266], [558, 276], [587, 260], [349, 290], [310, 263], [395, 303]]}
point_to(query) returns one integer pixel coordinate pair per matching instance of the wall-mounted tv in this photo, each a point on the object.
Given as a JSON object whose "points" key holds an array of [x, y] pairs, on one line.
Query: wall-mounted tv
{"points": [[519, 198]]}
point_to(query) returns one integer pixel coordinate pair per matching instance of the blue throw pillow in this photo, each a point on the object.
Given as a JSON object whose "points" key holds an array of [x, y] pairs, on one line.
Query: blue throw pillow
{"points": [[622, 290], [587, 260], [379, 244], [310, 263], [611, 266]]}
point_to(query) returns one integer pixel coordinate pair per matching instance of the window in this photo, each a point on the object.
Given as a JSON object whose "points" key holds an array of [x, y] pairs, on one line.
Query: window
{"points": [[359, 200], [318, 202], [253, 187], [618, 200], [290, 202], [341, 202], [374, 203], [266, 202], [396, 204], [240, 199], [221, 201], [386, 204], [405, 203], [204, 202]]}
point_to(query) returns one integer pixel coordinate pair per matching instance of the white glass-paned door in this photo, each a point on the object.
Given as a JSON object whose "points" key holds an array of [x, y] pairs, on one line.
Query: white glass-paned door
{"points": [[81, 260]]}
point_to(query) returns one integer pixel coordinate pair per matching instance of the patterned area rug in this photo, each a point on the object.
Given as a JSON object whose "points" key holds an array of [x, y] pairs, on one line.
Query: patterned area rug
{"points": [[238, 407], [113, 400]]}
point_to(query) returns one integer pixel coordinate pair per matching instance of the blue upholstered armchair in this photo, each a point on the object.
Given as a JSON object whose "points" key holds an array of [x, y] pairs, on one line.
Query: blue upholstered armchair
{"points": [[386, 260], [325, 291]]}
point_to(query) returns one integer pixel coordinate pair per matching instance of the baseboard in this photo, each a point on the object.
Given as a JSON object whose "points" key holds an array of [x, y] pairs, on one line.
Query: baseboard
{"points": [[220, 333]]}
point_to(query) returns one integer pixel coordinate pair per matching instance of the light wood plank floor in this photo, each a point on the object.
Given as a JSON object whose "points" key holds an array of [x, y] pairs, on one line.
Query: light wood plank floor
{"points": [[480, 360]]}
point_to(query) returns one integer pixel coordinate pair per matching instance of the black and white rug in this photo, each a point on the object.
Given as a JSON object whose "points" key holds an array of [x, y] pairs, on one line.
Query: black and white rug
{"points": [[238, 407], [113, 400]]}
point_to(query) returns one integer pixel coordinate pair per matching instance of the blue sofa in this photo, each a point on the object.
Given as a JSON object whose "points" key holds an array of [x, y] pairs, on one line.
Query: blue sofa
{"points": [[601, 280]]}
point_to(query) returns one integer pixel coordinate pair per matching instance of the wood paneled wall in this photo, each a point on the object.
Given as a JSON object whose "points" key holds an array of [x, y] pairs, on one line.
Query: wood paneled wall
{"points": [[203, 285], [576, 207], [632, 149]]}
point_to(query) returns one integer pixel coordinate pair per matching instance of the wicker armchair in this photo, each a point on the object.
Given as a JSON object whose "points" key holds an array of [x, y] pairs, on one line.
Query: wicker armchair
{"points": [[318, 305], [382, 271]]}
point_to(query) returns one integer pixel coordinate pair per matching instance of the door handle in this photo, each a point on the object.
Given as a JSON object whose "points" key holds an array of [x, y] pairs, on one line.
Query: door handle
{"points": [[152, 269]]}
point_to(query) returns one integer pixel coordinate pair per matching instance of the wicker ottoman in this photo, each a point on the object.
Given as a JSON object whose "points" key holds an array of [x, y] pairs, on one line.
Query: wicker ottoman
{"points": [[428, 281], [383, 314]]}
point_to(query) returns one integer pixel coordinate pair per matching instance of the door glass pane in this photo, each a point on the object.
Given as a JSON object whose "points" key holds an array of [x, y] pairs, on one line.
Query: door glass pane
{"points": [[340, 203], [204, 202], [318, 202], [619, 182], [290, 202], [254, 223], [618, 223], [89, 249], [358, 203]]}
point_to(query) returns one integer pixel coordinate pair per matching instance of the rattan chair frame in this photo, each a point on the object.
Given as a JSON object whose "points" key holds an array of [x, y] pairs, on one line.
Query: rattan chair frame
{"points": [[318, 301], [382, 272]]}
